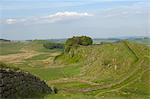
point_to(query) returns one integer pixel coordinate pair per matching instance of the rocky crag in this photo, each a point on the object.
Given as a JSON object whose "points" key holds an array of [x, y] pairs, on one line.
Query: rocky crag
{"points": [[15, 83]]}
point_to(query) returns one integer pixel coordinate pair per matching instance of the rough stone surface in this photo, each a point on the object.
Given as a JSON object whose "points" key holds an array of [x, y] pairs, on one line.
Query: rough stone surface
{"points": [[17, 84]]}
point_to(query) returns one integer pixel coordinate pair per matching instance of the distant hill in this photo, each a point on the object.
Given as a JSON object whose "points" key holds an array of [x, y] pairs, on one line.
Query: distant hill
{"points": [[143, 40]]}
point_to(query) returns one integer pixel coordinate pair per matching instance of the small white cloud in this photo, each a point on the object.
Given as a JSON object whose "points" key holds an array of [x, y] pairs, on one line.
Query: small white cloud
{"points": [[11, 21]]}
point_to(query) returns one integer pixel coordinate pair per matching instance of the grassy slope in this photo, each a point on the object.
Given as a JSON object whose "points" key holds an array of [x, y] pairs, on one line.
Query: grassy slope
{"points": [[10, 48], [102, 61], [115, 67]]}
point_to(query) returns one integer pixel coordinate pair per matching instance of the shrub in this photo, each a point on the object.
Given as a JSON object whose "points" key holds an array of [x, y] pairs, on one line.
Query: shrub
{"points": [[3, 65], [50, 45]]}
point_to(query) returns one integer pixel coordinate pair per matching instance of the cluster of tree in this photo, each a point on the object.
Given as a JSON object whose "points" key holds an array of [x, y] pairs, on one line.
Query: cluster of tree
{"points": [[77, 40], [71, 42], [5, 40], [50, 45]]}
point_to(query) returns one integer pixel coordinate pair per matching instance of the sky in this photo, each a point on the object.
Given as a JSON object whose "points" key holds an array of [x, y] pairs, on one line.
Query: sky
{"points": [[52, 19]]}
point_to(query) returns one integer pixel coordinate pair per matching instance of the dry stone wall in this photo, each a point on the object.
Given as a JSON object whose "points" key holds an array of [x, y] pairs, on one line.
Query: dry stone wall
{"points": [[15, 84]]}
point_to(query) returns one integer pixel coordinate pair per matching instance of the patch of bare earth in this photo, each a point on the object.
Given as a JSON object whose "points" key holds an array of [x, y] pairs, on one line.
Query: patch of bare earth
{"points": [[19, 57]]}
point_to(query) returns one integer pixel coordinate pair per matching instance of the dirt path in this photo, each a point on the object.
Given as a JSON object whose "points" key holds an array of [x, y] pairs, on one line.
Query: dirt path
{"points": [[67, 80], [49, 62], [101, 89]]}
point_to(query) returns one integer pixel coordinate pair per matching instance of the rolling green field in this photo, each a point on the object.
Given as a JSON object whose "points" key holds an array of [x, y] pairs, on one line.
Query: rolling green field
{"points": [[106, 71]]}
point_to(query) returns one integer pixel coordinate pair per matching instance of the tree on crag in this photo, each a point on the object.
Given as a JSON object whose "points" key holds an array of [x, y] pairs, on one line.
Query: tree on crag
{"points": [[76, 41]]}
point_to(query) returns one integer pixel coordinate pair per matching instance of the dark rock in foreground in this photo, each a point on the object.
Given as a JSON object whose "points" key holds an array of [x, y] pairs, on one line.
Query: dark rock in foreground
{"points": [[18, 84]]}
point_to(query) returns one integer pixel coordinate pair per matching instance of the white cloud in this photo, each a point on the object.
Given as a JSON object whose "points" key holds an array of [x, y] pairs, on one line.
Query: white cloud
{"points": [[11, 21], [59, 16], [69, 14]]}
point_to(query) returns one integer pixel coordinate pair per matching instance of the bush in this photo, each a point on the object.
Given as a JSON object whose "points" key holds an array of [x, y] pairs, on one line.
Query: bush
{"points": [[78, 40], [6, 66], [50, 45]]}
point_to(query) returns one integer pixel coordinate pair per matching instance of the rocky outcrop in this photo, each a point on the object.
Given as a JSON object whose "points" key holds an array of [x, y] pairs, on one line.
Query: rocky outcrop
{"points": [[18, 84]]}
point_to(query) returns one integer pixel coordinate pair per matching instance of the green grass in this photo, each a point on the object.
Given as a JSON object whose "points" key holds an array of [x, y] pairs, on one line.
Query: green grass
{"points": [[40, 57], [69, 96], [141, 86], [130, 81], [53, 73], [140, 89], [75, 85], [10, 48]]}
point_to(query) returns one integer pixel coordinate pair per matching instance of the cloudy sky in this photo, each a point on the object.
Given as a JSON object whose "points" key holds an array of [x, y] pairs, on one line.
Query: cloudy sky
{"points": [[49, 19]]}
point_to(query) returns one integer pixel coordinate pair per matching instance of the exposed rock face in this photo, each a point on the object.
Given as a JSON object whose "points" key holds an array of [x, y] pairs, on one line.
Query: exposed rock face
{"points": [[18, 84]]}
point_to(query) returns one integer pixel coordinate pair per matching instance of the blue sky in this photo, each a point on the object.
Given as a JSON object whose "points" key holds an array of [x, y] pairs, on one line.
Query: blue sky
{"points": [[49, 19]]}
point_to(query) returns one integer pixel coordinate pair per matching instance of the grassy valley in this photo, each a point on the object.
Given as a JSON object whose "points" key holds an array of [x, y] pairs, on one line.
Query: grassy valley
{"points": [[118, 70]]}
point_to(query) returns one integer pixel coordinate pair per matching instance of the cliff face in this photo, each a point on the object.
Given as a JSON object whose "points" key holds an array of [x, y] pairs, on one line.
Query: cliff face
{"points": [[15, 84]]}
